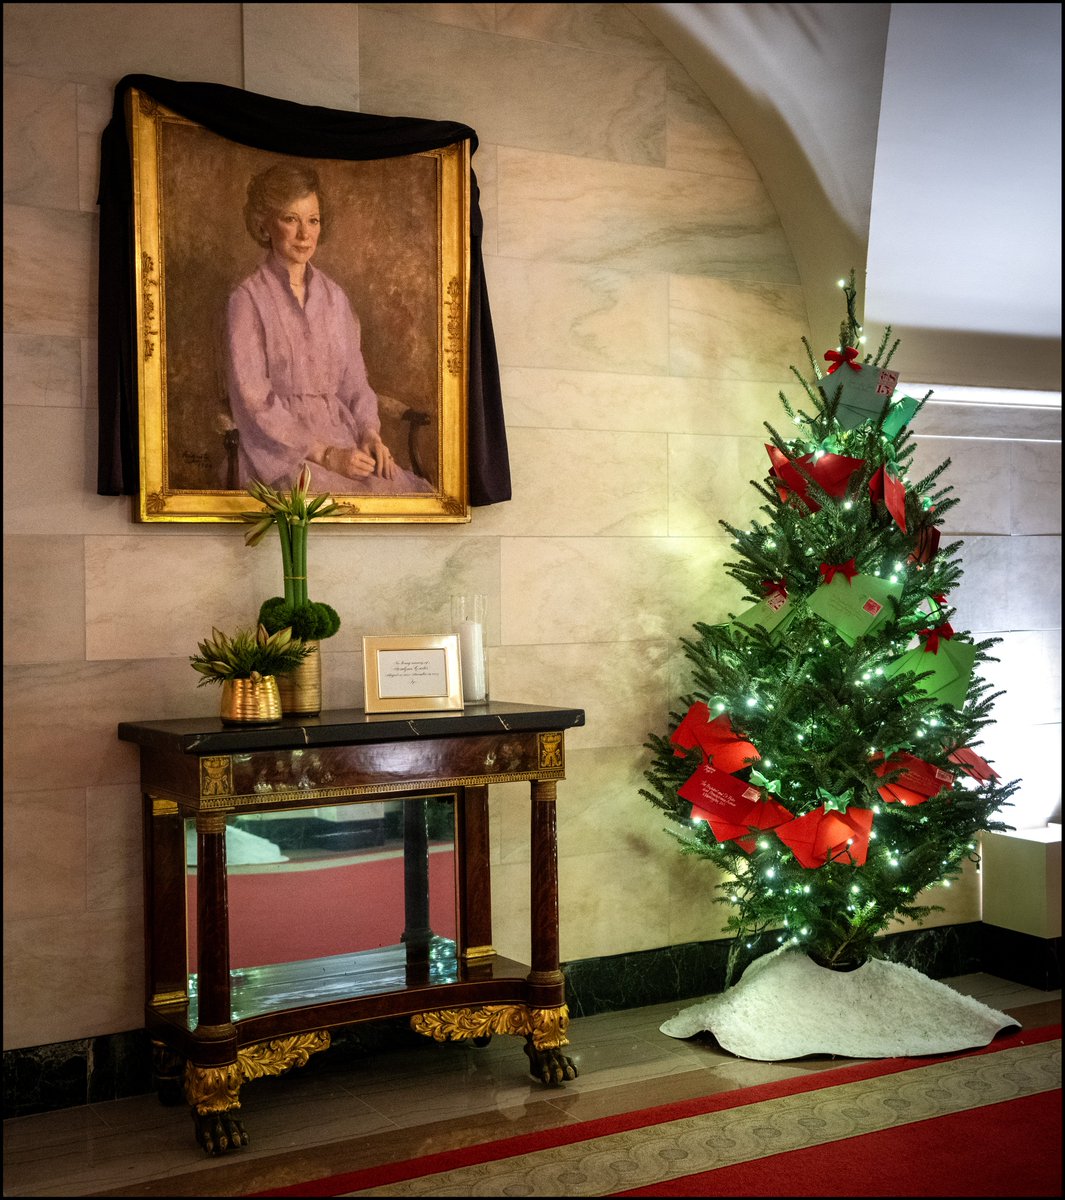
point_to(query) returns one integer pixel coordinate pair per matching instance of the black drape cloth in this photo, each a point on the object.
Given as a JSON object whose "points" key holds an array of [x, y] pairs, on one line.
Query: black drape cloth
{"points": [[285, 128]]}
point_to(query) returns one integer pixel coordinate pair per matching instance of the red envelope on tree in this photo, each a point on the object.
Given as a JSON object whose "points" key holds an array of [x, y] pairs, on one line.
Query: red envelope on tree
{"points": [[972, 764], [820, 837], [717, 739], [733, 808], [831, 471], [891, 492], [920, 781]]}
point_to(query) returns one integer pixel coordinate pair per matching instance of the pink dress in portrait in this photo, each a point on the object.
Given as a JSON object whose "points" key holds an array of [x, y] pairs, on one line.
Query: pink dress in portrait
{"points": [[296, 379]]}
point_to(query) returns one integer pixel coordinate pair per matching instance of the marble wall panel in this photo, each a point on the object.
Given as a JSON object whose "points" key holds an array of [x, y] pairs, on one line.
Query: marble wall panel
{"points": [[608, 28], [44, 599], [309, 61], [470, 16], [578, 317], [710, 481], [102, 42], [733, 329], [514, 91], [42, 370], [559, 399], [114, 875], [611, 589], [39, 296], [73, 978], [979, 473], [1035, 487], [620, 685], [1006, 422], [981, 600], [588, 482], [485, 164], [1034, 593], [694, 913], [638, 218], [44, 853], [60, 719], [698, 138], [95, 103], [609, 907], [1028, 672], [50, 474], [511, 888], [40, 142]]}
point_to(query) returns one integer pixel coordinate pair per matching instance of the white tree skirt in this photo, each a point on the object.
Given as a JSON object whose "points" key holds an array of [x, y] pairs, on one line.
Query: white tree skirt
{"points": [[786, 1006]]}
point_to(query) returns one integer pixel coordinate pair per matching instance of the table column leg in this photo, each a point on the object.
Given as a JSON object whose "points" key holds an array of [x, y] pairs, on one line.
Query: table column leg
{"points": [[475, 920], [212, 927], [549, 1021], [165, 943], [417, 932]]}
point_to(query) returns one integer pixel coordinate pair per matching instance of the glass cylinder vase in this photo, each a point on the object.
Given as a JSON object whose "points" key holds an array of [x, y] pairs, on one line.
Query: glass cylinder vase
{"points": [[469, 617]]}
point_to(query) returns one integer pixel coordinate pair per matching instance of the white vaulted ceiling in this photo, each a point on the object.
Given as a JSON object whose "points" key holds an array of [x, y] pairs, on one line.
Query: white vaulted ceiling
{"points": [[918, 143]]}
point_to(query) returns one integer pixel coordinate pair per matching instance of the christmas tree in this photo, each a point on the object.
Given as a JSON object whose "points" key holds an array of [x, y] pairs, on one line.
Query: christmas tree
{"points": [[825, 757]]}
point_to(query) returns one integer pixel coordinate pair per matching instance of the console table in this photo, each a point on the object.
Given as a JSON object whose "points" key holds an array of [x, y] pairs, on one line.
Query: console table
{"points": [[214, 1025]]}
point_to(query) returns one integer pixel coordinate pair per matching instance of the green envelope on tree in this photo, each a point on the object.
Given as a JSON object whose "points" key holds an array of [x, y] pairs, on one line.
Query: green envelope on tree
{"points": [[855, 606], [951, 664]]}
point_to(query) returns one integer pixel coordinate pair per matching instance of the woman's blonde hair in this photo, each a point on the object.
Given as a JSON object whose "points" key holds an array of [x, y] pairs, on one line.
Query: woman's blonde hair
{"points": [[272, 190]]}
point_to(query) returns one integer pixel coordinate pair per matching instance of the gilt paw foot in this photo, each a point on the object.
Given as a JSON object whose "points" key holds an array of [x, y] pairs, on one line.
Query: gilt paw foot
{"points": [[549, 1065], [219, 1132]]}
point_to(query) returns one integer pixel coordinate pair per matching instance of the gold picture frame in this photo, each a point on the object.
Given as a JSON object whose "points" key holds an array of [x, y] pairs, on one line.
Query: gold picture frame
{"points": [[394, 240], [411, 673]]}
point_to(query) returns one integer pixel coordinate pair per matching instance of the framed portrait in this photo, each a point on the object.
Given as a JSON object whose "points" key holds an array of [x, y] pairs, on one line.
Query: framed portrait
{"points": [[293, 310], [411, 673]]}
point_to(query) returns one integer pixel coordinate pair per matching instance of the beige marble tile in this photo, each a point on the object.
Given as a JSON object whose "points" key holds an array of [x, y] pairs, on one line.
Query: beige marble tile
{"points": [[597, 676], [982, 600], [511, 888], [710, 481], [578, 317], [588, 482], [979, 474], [732, 329], [72, 977], [47, 301], [694, 913], [611, 589], [42, 370], [638, 218], [698, 138], [514, 91], [44, 599], [485, 164], [469, 16], [103, 42], [50, 456], [1002, 422], [542, 397], [95, 103], [310, 57], [606, 907], [83, 749], [40, 142], [44, 853], [114, 848], [609, 28], [1034, 593], [1035, 487]]}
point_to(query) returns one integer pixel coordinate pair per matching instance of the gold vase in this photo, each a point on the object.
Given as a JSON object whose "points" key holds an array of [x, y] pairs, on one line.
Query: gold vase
{"points": [[251, 701], [301, 688]]}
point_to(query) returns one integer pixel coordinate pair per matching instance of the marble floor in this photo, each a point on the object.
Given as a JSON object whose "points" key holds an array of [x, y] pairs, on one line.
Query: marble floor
{"points": [[341, 1112]]}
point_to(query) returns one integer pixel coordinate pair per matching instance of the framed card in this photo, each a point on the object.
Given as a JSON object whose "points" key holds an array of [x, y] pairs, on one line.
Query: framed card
{"points": [[411, 673]]}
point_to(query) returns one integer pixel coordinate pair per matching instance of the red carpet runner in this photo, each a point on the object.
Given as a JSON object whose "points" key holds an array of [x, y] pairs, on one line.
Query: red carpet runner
{"points": [[985, 1123]]}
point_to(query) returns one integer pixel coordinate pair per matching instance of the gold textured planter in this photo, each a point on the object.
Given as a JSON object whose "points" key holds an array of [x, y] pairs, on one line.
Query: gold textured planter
{"points": [[251, 701], [301, 689]]}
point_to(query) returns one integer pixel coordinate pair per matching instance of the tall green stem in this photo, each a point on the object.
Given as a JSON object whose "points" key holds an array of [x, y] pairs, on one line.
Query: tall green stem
{"points": [[299, 545], [286, 558]]}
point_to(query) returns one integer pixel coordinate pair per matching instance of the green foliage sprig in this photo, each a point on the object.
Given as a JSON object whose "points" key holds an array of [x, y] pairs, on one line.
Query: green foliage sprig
{"points": [[247, 654]]}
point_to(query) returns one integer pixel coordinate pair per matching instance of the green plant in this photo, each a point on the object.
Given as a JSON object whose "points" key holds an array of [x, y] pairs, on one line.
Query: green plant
{"points": [[247, 655], [292, 513]]}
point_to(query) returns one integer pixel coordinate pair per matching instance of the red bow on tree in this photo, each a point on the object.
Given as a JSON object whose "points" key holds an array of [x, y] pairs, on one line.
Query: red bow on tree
{"points": [[775, 587], [845, 359], [931, 646], [830, 570]]}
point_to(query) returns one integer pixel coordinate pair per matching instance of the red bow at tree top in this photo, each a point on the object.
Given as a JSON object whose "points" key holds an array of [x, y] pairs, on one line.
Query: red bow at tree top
{"points": [[845, 359], [931, 645], [830, 570], [832, 472]]}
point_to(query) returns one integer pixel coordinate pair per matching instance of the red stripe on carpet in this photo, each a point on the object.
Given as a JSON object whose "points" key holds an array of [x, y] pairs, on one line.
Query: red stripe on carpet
{"points": [[1007, 1149], [585, 1130]]}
